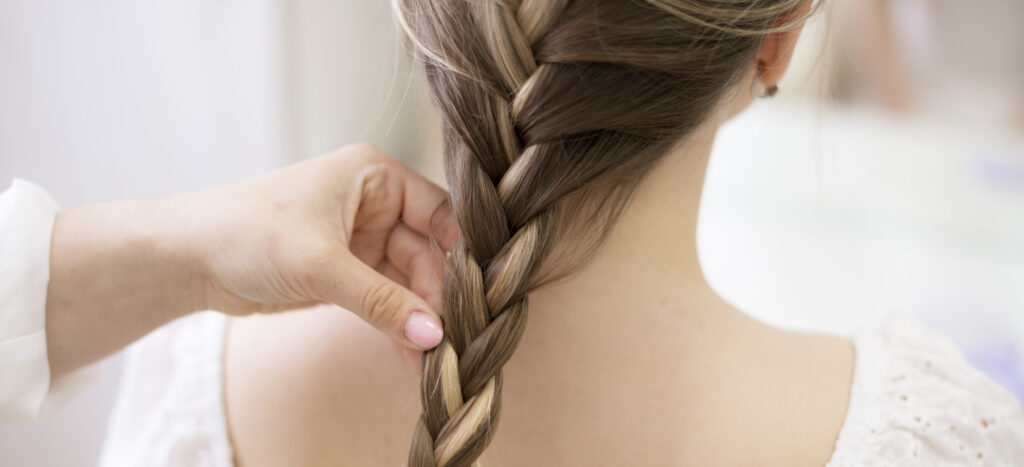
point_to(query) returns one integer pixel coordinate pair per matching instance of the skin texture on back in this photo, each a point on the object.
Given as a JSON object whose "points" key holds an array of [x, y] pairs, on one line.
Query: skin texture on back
{"points": [[330, 391]]}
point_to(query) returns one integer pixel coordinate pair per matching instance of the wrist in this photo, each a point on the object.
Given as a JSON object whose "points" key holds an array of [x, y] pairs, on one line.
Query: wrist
{"points": [[116, 273], [166, 249], [134, 252]]}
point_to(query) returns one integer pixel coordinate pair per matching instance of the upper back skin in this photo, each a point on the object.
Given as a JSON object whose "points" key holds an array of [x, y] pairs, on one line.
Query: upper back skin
{"points": [[321, 388]]}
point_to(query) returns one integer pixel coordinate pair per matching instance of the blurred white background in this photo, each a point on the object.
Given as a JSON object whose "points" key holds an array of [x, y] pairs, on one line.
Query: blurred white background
{"points": [[901, 193], [815, 216]]}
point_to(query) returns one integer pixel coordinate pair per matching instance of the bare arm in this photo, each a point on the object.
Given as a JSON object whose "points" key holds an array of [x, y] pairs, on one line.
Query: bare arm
{"points": [[349, 229]]}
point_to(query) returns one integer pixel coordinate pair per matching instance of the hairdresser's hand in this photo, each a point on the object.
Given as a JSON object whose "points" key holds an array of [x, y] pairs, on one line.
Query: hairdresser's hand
{"points": [[349, 228]]}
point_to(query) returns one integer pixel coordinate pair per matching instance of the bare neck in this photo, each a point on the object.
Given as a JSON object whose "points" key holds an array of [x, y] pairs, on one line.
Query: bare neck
{"points": [[649, 261], [637, 346]]}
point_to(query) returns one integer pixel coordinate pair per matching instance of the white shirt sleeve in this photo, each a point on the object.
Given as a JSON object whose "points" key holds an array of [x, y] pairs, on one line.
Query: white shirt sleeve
{"points": [[27, 216]]}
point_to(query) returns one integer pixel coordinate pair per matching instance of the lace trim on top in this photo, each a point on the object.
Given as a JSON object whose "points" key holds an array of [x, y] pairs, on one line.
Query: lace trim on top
{"points": [[915, 401], [170, 409]]}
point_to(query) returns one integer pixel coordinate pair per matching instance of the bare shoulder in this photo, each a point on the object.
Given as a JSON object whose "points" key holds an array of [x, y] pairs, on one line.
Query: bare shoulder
{"points": [[316, 387], [814, 378]]}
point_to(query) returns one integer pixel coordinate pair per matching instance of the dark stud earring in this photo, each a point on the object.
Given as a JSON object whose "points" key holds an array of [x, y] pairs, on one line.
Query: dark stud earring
{"points": [[768, 91]]}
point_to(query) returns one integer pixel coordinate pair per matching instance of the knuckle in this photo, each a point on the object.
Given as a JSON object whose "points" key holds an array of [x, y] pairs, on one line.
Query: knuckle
{"points": [[380, 303], [426, 261], [372, 168], [376, 183], [352, 158], [366, 152]]}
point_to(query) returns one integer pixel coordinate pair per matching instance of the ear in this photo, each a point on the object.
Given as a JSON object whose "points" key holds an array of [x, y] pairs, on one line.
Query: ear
{"points": [[777, 50]]}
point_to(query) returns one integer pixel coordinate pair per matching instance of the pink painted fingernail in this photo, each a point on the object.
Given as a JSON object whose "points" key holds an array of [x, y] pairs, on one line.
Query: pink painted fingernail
{"points": [[423, 330]]}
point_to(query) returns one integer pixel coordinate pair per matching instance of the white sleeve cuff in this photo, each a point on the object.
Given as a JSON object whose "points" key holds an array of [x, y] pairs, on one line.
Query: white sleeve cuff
{"points": [[27, 215]]}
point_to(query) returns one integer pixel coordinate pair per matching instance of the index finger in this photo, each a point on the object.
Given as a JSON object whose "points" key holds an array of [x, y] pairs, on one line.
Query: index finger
{"points": [[425, 208]]}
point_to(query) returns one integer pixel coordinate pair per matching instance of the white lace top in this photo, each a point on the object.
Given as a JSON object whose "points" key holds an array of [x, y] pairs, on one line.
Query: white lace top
{"points": [[914, 402], [170, 408]]}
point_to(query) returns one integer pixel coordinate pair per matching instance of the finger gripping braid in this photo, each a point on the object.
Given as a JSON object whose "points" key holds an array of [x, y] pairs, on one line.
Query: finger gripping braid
{"points": [[479, 58]]}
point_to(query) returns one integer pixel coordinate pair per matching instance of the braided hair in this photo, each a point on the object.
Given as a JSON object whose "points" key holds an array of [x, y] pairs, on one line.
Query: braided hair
{"points": [[553, 111]]}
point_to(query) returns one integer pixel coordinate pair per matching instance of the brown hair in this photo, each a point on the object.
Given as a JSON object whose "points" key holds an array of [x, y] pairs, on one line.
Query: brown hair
{"points": [[553, 110]]}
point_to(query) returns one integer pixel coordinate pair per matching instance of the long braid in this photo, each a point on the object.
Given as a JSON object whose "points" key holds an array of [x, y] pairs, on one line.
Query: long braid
{"points": [[488, 272], [553, 112]]}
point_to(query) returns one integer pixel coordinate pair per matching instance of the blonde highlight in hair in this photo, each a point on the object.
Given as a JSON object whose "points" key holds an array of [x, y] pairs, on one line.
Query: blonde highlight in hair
{"points": [[554, 110]]}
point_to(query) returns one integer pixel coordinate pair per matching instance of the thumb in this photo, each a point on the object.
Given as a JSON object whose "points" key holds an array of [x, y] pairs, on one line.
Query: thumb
{"points": [[383, 303]]}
